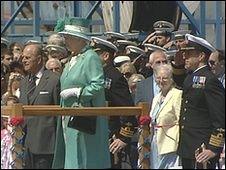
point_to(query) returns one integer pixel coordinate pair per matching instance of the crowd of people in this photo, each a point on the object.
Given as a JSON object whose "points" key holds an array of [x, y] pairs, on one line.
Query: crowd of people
{"points": [[181, 77]]}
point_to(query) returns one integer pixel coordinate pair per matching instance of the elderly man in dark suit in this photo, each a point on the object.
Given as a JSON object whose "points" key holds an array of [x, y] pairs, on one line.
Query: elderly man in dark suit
{"points": [[147, 89], [39, 87]]}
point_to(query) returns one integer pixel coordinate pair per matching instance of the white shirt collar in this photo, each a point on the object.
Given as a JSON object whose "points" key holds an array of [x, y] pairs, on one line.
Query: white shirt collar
{"points": [[40, 73], [199, 68]]}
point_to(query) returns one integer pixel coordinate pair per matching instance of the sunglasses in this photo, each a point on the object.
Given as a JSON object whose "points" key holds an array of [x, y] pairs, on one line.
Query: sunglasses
{"points": [[17, 49], [161, 62], [127, 74], [211, 62]]}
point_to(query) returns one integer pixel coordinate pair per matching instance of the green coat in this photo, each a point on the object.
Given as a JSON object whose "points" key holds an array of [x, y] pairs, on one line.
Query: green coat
{"points": [[81, 150]]}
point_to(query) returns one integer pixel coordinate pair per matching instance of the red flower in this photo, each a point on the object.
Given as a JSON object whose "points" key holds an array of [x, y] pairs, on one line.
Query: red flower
{"points": [[15, 121], [144, 120]]}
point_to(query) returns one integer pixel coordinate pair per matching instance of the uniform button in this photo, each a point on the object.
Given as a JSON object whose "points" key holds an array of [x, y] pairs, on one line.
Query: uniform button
{"points": [[184, 118], [182, 127], [185, 109], [186, 101]]}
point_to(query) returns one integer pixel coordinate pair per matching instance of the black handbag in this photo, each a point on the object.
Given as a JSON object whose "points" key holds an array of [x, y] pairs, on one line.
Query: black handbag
{"points": [[86, 124]]}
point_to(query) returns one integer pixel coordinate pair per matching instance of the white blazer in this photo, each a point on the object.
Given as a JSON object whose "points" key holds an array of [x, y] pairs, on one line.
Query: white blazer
{"points": [[167, 120]]}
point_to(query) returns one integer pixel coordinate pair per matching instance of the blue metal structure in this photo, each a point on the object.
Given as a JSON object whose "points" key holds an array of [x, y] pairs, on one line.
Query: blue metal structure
{"points": [[218, 23], [36, 20], [203, 17], [94, 8], [13, 17], [116, 16], [198, 25], [189, 16]]}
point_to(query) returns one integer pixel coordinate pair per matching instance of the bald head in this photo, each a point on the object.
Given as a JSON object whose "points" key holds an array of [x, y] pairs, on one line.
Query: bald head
{"points": [[35, 49], [158, 57]]}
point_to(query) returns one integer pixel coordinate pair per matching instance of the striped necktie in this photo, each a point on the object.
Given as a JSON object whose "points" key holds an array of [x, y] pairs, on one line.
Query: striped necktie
{"points": [[31, 85]]}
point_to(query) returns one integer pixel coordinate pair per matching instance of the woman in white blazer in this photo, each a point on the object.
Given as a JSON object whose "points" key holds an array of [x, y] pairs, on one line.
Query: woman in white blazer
{"points": [[165, 113]]}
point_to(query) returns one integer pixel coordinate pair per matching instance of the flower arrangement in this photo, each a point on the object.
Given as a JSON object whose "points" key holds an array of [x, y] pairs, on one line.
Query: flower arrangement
{"points": [[16, 121], [144, 120]]}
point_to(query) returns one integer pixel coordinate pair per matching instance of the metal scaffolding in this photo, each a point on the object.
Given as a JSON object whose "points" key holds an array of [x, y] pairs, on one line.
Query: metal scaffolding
{"points": [[197, 25]]}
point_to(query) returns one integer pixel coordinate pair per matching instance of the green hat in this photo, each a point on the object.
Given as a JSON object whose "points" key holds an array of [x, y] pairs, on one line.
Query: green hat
{"points": [[74, 26], [59, 25]]}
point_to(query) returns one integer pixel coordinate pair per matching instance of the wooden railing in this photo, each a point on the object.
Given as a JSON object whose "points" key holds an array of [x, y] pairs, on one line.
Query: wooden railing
{"points": [[53, 110]]}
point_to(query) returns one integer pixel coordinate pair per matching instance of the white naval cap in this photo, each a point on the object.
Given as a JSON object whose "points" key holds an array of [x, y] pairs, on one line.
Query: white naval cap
{"points": [[132, 35], [152, 47], [198, 43], [180, 34], [125, 42], [163, 27], [115, 35], [134, 49], [119, 60], [122, 44], [170, 54], [99, 43], [33, 42], [5, 41]]}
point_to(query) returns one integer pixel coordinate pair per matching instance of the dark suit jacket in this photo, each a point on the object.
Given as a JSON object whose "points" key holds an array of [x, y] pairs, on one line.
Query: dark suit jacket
{"points": [[202, 117], [118, 94], [41, 130], [145, 91]]}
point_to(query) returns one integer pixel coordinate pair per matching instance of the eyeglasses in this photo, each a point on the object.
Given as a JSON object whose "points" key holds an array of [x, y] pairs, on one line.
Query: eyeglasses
{"points": [[161, 62], [211, 62], [162, 78], [17, 49], [127, 74], [57, 69]]}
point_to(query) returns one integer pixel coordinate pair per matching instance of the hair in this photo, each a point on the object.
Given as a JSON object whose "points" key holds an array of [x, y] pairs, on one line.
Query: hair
{"points": [[6, 52], [152, 55], [3, 46], [15, 44], [166, 67], [127, 67], [13, 98], [16, 64], [221, 54], [135, 78], [56, 39], [40, 50]]}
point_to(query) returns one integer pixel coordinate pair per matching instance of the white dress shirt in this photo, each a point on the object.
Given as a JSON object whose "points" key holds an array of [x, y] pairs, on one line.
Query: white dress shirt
{"points": [[39, 75], [199, 68]]}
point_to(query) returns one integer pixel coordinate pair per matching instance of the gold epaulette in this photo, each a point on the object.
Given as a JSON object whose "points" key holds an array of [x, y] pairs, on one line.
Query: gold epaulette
{"points": [[218, 138], [127, 130], [178, 71]]}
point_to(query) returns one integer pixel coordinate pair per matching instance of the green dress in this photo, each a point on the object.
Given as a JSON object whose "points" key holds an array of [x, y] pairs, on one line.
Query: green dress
{"points": [[75, 149]]}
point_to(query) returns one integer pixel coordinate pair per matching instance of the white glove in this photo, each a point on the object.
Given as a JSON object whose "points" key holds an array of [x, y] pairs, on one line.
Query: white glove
{"points": [[116, 146], [70, 92]]}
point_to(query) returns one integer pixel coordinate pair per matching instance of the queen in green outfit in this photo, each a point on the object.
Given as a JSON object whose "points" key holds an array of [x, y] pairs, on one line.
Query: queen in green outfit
{"points": [[82, 78]]}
